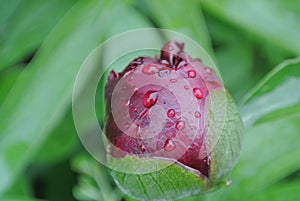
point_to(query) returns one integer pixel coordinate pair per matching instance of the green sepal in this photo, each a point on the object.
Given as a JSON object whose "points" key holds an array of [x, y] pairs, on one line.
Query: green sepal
{"points": [[171, 180], [224, 134]]}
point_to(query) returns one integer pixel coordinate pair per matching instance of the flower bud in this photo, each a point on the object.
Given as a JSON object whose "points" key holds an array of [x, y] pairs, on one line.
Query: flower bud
{"points": [[172, 111]]}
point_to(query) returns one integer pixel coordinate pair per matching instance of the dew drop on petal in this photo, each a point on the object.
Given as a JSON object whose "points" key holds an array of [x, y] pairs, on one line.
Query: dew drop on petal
{"points": [[163, 73], [150, 98], [208, 70], [198, 93], [171, 113], [186, 87], [169, 145], [191, 74], [150, 69], [138, 132], [173, 80], [228, 182], [142, 148], [197, 114], [180, 125], [165, 62]]}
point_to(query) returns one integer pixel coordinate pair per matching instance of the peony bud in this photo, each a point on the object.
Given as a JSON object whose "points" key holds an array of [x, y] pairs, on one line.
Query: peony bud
{"points": [[174, 112]]}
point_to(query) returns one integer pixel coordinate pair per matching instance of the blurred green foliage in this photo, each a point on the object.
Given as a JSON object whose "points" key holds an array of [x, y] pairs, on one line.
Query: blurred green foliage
{"points": [[44, 43]]}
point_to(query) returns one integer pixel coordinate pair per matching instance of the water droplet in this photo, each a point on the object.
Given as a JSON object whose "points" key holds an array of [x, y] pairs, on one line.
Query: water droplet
{"points": [[191, 74], [163, 73], [131, 78], [150, 69], [135, 109], [171, 113], [169, 145], [135, 89], [186, 87], [198, 93], [180, 125], [150, 98], [138, 132], [165, 62], [208, 70], [197, 114], [127, 103], [228, 182], [142, 148], [173, 80]]}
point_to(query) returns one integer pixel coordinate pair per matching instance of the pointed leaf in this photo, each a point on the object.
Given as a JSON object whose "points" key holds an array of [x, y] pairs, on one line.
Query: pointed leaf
{"points": [[27, 26], [274, 21], [270, 153], [43, 92], [276, 96], [186, 18], [170, 182]]}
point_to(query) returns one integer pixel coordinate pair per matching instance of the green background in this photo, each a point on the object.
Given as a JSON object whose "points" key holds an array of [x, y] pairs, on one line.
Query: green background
{"points": [[44, 43]]}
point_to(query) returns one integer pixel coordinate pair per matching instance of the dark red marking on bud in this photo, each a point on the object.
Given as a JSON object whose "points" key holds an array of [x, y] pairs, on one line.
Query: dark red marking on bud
{"points": [[169, 145], [192, 74], [171, 113], [198, 93], [150, 98]]}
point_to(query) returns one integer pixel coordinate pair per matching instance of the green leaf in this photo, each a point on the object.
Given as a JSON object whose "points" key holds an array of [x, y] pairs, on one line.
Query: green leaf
{"points": [[236, 63], [21, 188], [274, 21], [7, 79], [184, 17], [42, 94], [270, 153], [94, 182], [60, 143], [170, 182], [193, 198], [237, 57], [27, 26], [274, 149], [224, 134], [271, 55], [288, 191], [271, 149], [276, 96], [7, 8], [20, 198]]}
